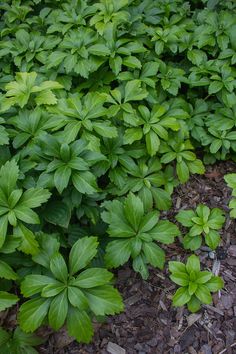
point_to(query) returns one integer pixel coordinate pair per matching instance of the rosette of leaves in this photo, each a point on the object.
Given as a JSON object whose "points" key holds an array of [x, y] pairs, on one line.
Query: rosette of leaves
{"points": [[70, 15], [178, 150], [230, 179], [120, 101], [28, 125], [64, 163], [85, 116], [27, 46], [196, 285], [18, 342], [203, 223], [147, 177], [26, 88], [16, 207], [123, 51], [108, 12], [153, 124], [81, 52], [70, 294], [135, 232]]}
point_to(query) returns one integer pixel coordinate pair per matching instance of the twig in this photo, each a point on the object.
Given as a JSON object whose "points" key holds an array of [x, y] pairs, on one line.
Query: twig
{"points": [[223, 351]]}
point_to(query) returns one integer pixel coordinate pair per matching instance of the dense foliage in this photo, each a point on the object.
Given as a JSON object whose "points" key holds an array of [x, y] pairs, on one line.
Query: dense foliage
{"points": [[106, 106]]}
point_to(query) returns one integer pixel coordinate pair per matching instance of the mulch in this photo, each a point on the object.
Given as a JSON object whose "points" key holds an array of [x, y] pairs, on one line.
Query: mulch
{"points": [[150, 324]]}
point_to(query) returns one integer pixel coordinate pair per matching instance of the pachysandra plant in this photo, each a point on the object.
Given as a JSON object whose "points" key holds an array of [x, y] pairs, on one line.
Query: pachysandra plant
{"points": [[135, 232], [68, 294], [16, 207], [99, 99], [230, 179], [19, 342], [196, 286], [7, 299], [203, 224]]}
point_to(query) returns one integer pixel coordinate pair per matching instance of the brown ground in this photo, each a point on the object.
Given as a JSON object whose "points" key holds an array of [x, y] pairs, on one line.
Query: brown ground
{"points": [[149, 323]]}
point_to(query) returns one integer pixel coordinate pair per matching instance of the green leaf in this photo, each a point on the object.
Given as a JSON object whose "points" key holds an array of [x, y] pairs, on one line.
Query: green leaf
{"points": [[192, 243], [133, 209], [46, 97], [180, 278], [82, 252], [9, 174], [165, 232], [185, 217], [7, 272], [194, 304], [77, 297], [4, 336], [140, 266], [79, 325], [215, 87], [28, 245], [58, 311], [32, 314], [134, 92], [152, 142], [34, 283], [34, 197], [193, 264], [92, 277], [182, 171], [212, 239], [162, 198], [26, 215], [59, 268], [3, 229], [104, 300], [62, 177], [181, 297], [132, 134], [117, 253], [230, 179], [99, 49], [203, 294], [215, 284], [84, 182], [203, 277], [57, 213], [154, 254], [132, 62], [7, 300], [177, 267]]}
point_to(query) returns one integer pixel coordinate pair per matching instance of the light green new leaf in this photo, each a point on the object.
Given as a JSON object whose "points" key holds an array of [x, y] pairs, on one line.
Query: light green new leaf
{"points": [[181, 297], [203, 294], [193, 264]]}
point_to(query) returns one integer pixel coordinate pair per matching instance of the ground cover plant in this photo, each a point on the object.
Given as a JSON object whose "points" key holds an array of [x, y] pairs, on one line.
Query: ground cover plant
{"points": [[105, 107]]}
